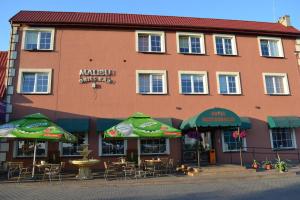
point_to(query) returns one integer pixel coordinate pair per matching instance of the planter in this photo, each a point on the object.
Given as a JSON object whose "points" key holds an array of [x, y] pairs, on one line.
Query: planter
{"points": [[255, 166], [268, 166]]}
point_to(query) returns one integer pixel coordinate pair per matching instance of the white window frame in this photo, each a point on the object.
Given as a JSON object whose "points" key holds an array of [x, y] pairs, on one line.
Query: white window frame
{"points": [[198, 35], [38, 156], [284, 148], [52, 30], [285, 83], [25, 70], [167, 152], [111, 155], [86, 135], [162, 40], [236, 150], [279, 45], [233, 44], [164, 79], [238, 82], [205, 81]]}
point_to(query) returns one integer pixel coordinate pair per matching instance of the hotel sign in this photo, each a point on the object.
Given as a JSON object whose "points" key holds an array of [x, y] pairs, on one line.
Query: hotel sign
{"points": [[96, 75]]}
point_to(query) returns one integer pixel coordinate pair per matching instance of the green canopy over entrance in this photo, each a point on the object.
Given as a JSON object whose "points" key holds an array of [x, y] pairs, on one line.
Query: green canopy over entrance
{"points": [[283, 122], [140, 125], [216, 117]]}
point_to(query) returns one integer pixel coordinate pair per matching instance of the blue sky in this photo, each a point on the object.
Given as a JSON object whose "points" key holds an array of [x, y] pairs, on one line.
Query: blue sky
{"points": [[254, 10]]}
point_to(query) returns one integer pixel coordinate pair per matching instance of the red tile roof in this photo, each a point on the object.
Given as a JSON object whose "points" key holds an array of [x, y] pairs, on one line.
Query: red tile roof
{"points": [[150, 21], [3, 61]]}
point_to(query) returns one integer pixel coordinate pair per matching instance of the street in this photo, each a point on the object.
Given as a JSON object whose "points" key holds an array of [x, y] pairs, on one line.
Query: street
{"points": [[265, 188]]}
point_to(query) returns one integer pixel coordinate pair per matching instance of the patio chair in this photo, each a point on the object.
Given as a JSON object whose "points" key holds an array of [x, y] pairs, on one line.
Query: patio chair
{"points": [[13, 169], [53, 170], [170, 166], [110, 171], [129, 170]]}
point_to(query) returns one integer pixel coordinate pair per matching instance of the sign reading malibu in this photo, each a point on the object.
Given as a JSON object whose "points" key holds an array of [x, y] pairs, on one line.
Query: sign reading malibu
{"points": [[95, 75]]}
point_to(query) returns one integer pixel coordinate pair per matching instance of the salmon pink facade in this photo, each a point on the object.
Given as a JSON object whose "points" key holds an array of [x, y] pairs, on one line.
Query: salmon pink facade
{"points": [[167, 71]]}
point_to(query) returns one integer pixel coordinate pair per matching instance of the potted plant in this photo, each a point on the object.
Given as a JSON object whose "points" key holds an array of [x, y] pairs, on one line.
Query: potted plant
{"points": [[255, 164], [280, 165], [267, 164]]}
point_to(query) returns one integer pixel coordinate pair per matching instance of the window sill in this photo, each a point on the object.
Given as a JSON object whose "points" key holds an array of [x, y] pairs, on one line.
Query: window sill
{"points": [[230, 55], [194, 93], [154, 154], [30, 156], [38, 50], [237, 94], [193, 54], [285, 149], [151, 52], [153, 93], [233, 151], [278, 94], [280, 57], [112, 155], [34, 93]]}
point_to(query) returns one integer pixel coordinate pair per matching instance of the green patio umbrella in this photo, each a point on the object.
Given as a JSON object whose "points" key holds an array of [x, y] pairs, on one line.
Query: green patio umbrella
{"points": [[140, 125], [37, 127]]}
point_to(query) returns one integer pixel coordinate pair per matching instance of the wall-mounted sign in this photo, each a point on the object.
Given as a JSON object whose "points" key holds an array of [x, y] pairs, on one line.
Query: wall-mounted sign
{"points": [[96, 75]]}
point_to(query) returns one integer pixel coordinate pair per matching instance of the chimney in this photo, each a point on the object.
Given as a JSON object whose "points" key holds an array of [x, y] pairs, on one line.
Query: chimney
{"points": [[285, 20]]}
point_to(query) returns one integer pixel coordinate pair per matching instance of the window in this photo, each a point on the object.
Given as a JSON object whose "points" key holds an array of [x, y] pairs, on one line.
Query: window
{"points": [[190, 43], [151, 82], [193, 82], [225, 44], [270, 47], [38, 39], [71, 149], [154, 146], [150, 41], [34, 81], [112, 147], [283, 138], [229, 143], [276, 84], [229, 82], [25, 148]]}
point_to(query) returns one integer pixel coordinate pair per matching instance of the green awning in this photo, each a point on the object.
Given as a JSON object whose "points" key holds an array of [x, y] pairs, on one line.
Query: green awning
{"points": [[103, 124], [74, 124], [283, 121], [245, 123], [216, 117]]}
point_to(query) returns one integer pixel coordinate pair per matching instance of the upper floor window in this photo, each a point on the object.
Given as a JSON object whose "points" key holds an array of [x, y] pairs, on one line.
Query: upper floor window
{"points": [[270, 47], [150, 41], [34, 81], [276, 83], [151, 81], [225, 44], [283, 138], [193, 82], [38, 39], [229, 82], [190, 43]]}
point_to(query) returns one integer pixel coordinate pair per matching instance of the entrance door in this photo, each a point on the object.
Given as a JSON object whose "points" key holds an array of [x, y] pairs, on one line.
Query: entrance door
{"points": [[193, 141]]}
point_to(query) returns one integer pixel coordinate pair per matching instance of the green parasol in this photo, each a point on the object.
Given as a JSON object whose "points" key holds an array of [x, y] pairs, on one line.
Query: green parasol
{"points": [[37, 127], [140, 125]]}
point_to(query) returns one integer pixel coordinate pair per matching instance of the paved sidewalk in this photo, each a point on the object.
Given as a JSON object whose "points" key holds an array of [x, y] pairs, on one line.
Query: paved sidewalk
{"points": [[280, 186]]}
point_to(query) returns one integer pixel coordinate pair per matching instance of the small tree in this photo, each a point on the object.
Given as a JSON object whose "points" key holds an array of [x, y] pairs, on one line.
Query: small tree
{"points": [[239, 135]]}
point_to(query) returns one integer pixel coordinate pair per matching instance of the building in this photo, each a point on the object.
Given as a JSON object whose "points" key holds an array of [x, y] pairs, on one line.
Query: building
{"points": [[87, 70]]}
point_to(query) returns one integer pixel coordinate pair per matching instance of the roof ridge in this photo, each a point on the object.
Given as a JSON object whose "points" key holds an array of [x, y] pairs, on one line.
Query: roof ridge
{"points": [[151, 15]]}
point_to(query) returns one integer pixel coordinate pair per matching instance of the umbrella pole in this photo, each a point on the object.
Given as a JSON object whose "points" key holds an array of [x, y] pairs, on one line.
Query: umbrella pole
{"points": [[34, 156]]}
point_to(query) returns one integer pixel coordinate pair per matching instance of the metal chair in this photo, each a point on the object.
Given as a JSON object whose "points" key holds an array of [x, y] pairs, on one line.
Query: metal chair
{"points": [[129, 170], [52, 170], [110, 171]]}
